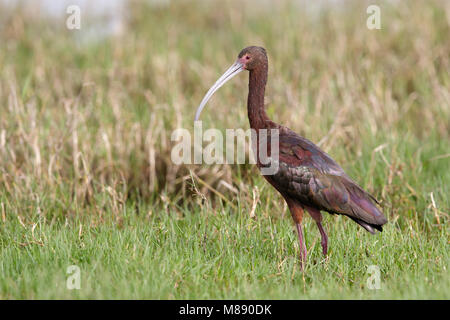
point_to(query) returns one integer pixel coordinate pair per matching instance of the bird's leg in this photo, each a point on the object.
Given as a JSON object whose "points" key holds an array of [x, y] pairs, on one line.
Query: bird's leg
{"points": [[297, 214], [302, 245], [324, 241], [317, 216]]}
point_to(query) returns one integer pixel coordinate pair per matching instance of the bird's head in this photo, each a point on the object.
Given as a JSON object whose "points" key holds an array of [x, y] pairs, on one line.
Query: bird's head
{"points": [[249, 59], [252, 57]]}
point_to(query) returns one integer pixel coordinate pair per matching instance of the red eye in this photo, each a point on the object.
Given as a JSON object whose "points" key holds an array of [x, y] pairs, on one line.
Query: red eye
{"points": [[247, 57]]}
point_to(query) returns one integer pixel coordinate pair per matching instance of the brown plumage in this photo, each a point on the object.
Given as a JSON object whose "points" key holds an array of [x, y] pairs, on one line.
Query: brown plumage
{"points": [[307, 177]]}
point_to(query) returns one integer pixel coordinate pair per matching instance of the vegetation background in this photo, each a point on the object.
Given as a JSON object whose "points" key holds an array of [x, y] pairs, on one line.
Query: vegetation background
{"points": [[86, 176]]}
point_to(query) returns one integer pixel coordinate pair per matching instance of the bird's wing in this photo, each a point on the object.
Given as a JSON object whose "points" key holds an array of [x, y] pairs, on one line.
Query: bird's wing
{"points": [[299, 150], [314, 178]]}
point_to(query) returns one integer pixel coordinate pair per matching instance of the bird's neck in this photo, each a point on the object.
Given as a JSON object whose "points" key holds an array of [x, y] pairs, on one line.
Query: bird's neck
{"points": [[255, 103]]}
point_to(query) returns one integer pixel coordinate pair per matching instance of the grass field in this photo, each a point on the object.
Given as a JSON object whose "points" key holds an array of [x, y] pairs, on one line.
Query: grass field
{"points": [[86, 177]]}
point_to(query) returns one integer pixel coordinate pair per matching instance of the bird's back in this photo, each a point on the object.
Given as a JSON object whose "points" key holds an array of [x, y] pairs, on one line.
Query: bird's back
{"points": [[310, 176]]}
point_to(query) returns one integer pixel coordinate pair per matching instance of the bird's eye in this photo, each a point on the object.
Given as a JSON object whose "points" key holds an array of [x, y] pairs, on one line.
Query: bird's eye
{"points": [[247, 57]]}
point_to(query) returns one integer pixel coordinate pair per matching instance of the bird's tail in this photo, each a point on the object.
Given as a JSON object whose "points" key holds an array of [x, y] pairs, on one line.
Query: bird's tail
{"points": [[369, 227], [365, 212]]}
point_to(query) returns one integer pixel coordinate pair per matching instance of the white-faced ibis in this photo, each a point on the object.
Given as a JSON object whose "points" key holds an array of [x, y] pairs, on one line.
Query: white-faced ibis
{"points": [[307, 177]]}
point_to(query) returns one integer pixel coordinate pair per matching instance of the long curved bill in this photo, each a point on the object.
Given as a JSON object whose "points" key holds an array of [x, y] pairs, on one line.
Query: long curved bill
{"points": [[230, 73]]}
